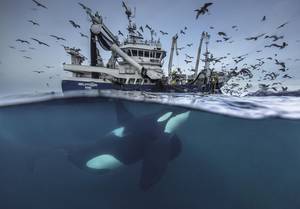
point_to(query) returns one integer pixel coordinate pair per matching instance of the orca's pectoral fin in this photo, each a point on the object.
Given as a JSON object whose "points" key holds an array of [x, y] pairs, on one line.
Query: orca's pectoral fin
{"points": [[156, 158], [123, 115]]}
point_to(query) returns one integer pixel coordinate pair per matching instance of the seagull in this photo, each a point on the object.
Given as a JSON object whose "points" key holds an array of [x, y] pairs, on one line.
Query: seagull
{"points": [[189, 45], [234, 27], [39, 4], [185, 28], [12, 47], [287, 76], [255, 37], [87, 9], [284, 44], [182, 32], [26, 57], [282, 64], [74, 24], [57, 38], [163, 33], [147, 26], [281, 26], [264, 19], [274, 37], [189, 57], [83, 35], [226, 38], [34, 23], [38, 71], [22, 41], [23, 50], [187, 61], [222, 34], [203, 10], [180, 48], [49, 67], [40, 42], [120, 33], [211, 27]]}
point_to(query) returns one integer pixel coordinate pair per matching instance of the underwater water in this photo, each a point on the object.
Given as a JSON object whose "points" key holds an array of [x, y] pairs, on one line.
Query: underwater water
{"points": [[236, 153]]}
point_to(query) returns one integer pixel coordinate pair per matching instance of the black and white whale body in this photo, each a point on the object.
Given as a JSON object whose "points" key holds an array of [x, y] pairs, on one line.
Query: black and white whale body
{"points": [[150, 139]]}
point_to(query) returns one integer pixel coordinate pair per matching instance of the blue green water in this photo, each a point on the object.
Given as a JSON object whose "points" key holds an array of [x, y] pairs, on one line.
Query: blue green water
{"points": [[226, 161]]}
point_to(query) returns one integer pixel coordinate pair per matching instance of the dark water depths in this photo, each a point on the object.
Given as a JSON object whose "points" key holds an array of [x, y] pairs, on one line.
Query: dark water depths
{"points": [[226, 162]]}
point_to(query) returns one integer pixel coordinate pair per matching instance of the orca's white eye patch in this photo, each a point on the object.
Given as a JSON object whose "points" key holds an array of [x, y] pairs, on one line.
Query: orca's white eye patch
{"points": [[106, 162], [176, 121], [164, 117], [119, 132]]}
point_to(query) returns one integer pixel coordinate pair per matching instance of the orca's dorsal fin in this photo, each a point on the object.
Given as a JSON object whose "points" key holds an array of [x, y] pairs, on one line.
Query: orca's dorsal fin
{"points": [[123, 115]]}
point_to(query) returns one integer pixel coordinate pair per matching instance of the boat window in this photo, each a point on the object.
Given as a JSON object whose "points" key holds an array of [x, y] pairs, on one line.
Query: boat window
{"points": [[131, 81], [145, 81], [151, 54], [158, 55], [134, 53], [141, 53], [139, 81], [129, 52], [146, 53]]}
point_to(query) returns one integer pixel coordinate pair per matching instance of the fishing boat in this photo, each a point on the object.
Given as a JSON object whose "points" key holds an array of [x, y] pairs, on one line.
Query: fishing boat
{"points": [[135, 64]]}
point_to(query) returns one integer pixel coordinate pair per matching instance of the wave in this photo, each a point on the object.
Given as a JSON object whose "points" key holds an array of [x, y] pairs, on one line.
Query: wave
{"points": [[260, 106]]}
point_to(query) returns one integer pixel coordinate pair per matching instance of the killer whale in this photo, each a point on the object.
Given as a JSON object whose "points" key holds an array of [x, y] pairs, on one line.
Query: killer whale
{"points": [[151, 139]]}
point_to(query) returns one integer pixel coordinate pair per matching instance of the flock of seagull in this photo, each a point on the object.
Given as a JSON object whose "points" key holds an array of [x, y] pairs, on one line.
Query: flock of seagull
{"points": [[246, 71], [42, 43]]}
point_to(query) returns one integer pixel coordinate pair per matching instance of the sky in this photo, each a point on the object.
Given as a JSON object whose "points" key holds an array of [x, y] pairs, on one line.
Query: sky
{"points": [[16, 72]]}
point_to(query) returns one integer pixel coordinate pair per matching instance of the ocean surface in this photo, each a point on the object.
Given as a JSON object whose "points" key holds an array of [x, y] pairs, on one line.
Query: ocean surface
{"points": [[236, 152]]}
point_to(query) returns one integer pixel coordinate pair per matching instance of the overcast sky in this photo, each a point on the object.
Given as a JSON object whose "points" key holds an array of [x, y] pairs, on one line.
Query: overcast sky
{"points": [[16, 72]]}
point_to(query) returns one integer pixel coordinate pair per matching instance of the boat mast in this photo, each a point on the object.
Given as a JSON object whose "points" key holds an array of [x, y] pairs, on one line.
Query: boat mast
{"points": [[174, 45], [199, 53]]}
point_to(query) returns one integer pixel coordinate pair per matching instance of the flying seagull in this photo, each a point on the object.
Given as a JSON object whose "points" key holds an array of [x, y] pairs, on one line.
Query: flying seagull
{"points": [[264, 19], [203, 10], [187, 61], [281, 26], [287, 76], [182, 32], [40, 42], [163, 33], [282, 64], [189, 57], [83, 35], [189, 45], [26, 57], [38, 71], [57, 38], [22, 41], [274, 37], [147, 26], [39, 4], [120, 33], [34, 23], [284, 44], [255, 37], [222, 34], [74, 24], [87, 9]]}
